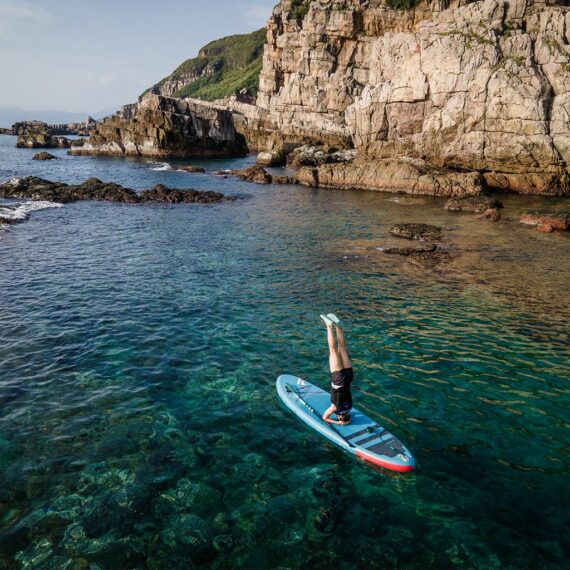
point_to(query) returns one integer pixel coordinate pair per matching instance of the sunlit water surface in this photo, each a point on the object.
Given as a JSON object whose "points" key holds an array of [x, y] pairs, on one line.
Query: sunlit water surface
{"points": [[139, 346]]}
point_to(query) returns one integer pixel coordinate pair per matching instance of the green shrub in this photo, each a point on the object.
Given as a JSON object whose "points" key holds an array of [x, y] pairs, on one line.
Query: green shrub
{"points": [[300, 8], [402, 4]]}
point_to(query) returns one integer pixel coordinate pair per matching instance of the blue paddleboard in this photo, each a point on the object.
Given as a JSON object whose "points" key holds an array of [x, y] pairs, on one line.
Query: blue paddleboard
{"points": [[363, 437]]}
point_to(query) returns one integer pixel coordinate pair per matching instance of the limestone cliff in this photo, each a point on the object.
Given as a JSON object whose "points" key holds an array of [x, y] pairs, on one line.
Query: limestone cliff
{"points": [[166, 127], [479, 86]]}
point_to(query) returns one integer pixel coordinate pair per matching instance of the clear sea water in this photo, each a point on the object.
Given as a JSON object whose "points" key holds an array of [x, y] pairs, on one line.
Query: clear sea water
{"points": [[139, 347]]}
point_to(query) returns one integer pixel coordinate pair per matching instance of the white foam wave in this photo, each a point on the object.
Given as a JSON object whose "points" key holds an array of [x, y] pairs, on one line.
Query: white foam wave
{"points": [[21, 212], [162, 166]]}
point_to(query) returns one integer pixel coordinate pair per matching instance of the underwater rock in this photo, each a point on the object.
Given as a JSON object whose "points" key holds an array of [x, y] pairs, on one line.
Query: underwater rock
{"points": [[253, 468], [491, 214], [188, 496], [221, 523], [548, 221], [188, 531], [430, 260], [36, 555], [421, 232], [409, 250], [223, 542]]}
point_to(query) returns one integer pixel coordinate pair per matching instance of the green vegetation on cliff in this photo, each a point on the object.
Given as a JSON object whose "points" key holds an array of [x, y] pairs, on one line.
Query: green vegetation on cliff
{"points": [[300, 8], [222, 68], [402, 4]]}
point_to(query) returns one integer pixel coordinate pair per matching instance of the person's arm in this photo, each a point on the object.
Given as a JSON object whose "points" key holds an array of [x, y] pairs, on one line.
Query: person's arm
{"points": [[327, 416]]}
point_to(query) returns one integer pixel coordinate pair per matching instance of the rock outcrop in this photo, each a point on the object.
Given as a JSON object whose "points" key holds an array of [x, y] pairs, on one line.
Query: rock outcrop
{"points": [[35, 188], [190, 168], [467, 86], [163, 127], [547, 222], [35, 134], [393, 175], [44, 156]]}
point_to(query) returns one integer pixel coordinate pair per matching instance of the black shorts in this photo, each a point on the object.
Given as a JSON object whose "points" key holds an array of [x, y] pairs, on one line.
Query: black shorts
{"points": [[342, 399], [342, 378]]}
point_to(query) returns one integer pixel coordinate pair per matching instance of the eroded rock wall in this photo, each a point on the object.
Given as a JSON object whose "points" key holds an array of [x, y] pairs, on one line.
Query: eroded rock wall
{"points": [[470, 86]]}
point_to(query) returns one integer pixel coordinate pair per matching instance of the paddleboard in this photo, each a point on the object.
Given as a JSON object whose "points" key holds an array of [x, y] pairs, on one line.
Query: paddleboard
{"points": [[363, 437]]}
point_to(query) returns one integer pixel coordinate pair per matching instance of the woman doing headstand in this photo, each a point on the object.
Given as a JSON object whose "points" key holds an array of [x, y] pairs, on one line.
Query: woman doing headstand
{"points": [[342, 374]]}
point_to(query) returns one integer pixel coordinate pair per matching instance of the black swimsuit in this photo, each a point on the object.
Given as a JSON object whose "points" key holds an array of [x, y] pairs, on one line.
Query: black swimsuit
{"points": [[341, 396]]}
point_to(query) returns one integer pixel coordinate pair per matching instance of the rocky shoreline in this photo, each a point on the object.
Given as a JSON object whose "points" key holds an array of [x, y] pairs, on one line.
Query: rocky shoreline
{"points": [[93, 189], [476, 100]]}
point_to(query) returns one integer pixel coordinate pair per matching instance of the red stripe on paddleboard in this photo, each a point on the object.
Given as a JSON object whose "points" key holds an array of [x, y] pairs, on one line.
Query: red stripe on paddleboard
{"points": [[385, 464]]}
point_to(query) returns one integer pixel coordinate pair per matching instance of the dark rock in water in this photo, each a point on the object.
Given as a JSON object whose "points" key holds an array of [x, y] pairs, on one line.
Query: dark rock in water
{"points": [[36, 188], [258, 175], [284, 180], [255, 174], [44, 156], [422, 232], [473, 204], [410, 250], [547, 222], [161, 193], [429, 260], [427, 255], [192, 169], [491, 214]]}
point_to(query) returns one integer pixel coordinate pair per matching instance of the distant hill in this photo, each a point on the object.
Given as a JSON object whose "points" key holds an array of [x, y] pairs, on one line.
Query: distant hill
{"points": [[10, 115], [222, 68]]}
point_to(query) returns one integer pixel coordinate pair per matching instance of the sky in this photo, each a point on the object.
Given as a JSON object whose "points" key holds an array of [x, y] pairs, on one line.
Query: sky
{"points": [[90, 56]]}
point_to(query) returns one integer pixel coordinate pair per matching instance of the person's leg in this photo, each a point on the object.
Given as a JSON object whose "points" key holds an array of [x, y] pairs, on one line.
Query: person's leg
{"points": [[335, 361], [345, 360]]}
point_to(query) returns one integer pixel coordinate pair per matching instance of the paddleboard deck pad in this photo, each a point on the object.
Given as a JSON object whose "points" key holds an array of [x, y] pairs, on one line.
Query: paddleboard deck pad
{"points": [[363, 437]]}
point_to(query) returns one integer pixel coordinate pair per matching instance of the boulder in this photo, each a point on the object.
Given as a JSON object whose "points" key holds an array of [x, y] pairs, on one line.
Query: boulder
{"points": [[492, 214], [547, 222], [44, 156], [255, 174], [421, 232], [192, 169], [161, 193], [312, 155], [473, 204], [270, 158]]}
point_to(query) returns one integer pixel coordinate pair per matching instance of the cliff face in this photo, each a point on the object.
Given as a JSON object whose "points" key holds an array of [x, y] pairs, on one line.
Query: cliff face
{"points": [[478, 86], [164, 127]]}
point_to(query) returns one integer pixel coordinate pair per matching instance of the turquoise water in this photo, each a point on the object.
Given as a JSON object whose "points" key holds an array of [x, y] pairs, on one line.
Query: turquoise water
{"points": [[139, 346]]}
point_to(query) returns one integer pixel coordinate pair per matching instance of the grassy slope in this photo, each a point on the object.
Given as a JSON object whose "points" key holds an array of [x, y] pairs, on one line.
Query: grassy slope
{"points": [[233, 63]]}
